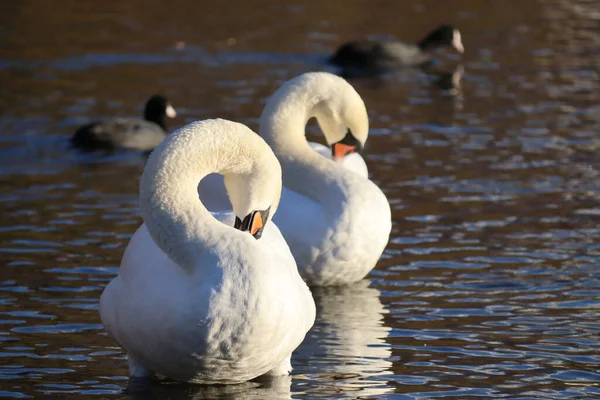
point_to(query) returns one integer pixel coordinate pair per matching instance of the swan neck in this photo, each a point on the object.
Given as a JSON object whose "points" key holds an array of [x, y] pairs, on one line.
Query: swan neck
{"points": [[176, 219], [283, 126]]}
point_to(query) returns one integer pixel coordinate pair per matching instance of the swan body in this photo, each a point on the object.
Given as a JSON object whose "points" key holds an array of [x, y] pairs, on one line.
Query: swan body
{"points": [[336, 222], [195, 299]]}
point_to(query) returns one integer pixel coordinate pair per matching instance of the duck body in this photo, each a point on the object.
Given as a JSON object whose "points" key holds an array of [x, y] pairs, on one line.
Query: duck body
{"points": [[378, 55], [374, 56], [195, 299], [131, 133], [119, 133]]}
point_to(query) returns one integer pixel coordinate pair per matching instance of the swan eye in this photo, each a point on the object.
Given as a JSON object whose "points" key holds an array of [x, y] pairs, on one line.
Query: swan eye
{"points": [[253, 223], [348, 145]]}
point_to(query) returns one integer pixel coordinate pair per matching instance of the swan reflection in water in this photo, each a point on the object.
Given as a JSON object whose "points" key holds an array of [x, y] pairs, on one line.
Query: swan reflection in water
{"points": [[448, 81], [271, 388], [346, 348]]}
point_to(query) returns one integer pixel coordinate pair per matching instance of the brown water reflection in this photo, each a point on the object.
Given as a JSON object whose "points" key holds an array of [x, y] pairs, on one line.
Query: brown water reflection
{"points": [[490, 285]]}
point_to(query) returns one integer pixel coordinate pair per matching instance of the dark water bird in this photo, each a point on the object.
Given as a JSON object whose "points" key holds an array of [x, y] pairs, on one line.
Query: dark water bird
{"points": [[378, 55], [132, 133]]}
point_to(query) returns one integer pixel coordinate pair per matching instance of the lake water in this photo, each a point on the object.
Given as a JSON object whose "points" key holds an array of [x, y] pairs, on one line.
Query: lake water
{"points": [[490, 285]]}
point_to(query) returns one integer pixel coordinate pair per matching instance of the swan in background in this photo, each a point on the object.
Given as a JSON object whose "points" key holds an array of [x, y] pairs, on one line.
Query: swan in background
{"points": [[336, 222], [139, 134], [349, 340], [198, 298]]}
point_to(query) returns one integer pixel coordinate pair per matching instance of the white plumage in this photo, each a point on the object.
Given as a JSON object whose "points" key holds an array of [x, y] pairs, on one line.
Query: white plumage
{"points": [[195, 299], [336, 222]]}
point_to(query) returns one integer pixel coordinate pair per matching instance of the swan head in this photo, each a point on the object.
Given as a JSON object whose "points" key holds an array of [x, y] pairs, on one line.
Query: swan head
{"points": [[254, 223], [338, 108], [254, 199], [342, 116], [169, 186], [253, 187]]}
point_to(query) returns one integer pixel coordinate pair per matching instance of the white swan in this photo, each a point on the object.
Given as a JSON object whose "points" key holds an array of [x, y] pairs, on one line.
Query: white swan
{"points": [[195, 299], [336, 222]]}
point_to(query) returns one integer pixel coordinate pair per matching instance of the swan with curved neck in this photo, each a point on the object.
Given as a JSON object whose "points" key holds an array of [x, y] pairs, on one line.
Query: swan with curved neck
{"points": [[202, 297], [336, 222]]}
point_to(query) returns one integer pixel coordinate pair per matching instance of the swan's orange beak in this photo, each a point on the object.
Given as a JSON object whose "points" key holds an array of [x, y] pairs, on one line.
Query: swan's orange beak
{"points": [[257, 225], [348, 145], [341, 150], [253, 223]]}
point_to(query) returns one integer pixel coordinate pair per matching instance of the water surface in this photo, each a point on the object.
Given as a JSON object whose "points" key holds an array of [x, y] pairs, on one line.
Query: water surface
{"points": [[490, 286]]}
